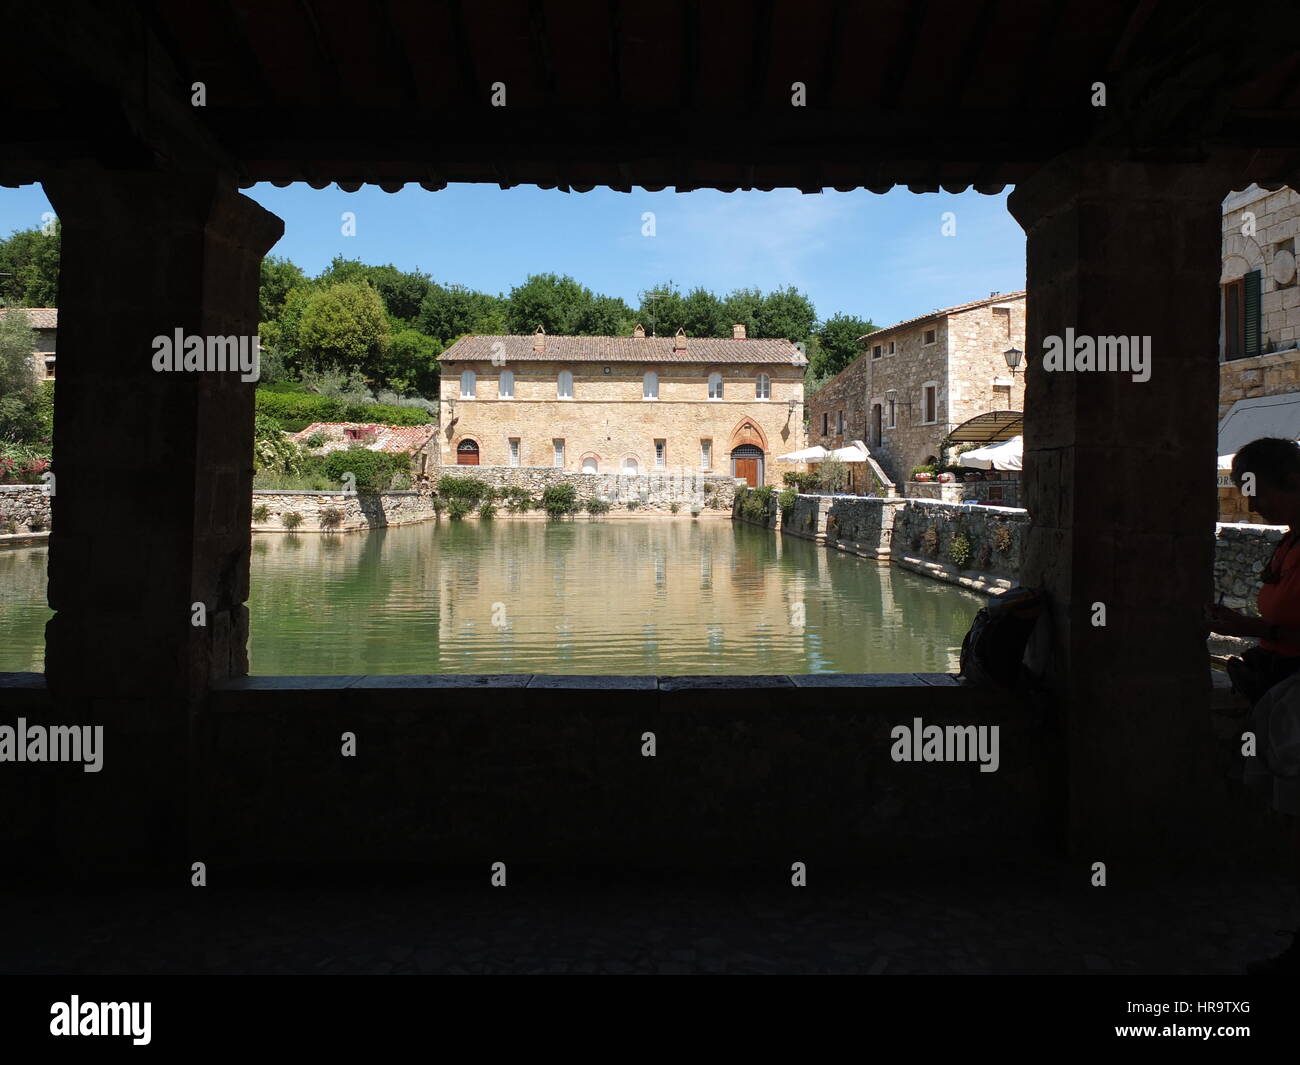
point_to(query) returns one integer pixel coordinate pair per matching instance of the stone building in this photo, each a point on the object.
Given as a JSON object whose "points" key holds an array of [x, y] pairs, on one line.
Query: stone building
{"points": [[622, 404], [919, 379], [1259, 315], [45, 324]]}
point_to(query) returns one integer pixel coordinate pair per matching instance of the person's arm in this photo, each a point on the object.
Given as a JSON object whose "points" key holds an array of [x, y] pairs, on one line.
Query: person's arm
{"points": [[1252, 626]]}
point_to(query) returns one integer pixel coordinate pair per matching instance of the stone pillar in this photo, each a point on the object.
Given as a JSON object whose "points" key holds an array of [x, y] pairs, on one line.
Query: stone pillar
{"points": [[1119, 488], [154, 477]]}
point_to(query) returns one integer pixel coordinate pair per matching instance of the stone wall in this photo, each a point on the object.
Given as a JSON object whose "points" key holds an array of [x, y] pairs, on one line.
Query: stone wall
{"points": [[1005, 493], [652, 492], [924, 532], [27, 506], [358, 510], [1240, 553]]}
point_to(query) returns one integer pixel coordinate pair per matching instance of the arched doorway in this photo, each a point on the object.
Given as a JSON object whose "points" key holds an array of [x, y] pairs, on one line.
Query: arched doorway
{"points": [[467, 453], [747, 462]]}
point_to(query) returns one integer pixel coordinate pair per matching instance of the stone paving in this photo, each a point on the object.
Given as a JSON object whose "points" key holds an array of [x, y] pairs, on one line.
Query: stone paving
{"points": [[1046, 920]]}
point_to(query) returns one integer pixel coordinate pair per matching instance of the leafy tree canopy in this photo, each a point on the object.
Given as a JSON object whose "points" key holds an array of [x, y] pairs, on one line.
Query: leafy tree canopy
{"points": [[29, 268], [345, 327]]}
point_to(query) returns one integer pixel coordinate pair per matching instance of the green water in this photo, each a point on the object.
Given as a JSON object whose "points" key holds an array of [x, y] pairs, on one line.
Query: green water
{"points": [[629, 596]]}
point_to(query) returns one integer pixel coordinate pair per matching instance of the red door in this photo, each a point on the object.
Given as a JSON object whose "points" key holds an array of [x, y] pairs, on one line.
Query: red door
{"points": [[467, 453]]}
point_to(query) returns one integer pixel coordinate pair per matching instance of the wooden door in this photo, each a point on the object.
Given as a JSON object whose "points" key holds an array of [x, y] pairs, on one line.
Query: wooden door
{"points": [[748, 469], [467, 453]]}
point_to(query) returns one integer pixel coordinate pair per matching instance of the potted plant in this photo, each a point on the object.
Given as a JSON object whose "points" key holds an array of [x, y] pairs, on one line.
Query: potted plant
{"points": [[946, 478], [922, 473]]}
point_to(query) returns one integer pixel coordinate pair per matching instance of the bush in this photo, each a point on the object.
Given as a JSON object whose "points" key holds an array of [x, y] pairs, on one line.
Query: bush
{"points": [[756, 505], [633, 504], [261, 512], [959, 551], [559, 500], [802, 482], [674, 507], [930, 541], [488, 510], [272, 449], [297, 410], [596, 505], [291, 520], [36, 524], [1002, 538], [517, 500], [374, 470], [457, 508], [315, 440], [331, 518], [786, 501], [472, 490]]}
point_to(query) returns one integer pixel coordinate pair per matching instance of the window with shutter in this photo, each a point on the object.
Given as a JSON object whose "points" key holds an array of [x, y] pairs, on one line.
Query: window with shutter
{"points": [[1251, 315], [1233, 348]]}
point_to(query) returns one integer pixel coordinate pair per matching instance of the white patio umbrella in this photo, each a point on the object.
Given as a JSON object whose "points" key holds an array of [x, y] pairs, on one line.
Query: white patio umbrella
{"points": [[855, 452], [808, 454], [1008, 455]]}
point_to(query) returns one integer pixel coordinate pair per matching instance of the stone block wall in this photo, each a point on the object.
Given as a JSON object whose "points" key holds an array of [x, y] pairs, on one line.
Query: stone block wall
{"points": [[1240, 553], [924, 532], [1004, 493], [653, 492], [359, 510], [27, 506]]}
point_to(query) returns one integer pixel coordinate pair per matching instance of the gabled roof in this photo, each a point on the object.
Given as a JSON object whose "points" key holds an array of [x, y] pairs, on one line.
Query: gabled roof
{"points": [[624, 349], [1001, 297], [394, 438], [37, 317]]}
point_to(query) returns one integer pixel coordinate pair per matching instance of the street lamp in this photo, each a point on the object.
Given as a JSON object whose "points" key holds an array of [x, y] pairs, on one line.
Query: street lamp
{"points": [[1012, 355]]}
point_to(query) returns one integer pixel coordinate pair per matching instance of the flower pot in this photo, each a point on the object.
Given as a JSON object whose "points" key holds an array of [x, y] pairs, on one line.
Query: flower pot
{"points": [[946, 478], [921, 476]]}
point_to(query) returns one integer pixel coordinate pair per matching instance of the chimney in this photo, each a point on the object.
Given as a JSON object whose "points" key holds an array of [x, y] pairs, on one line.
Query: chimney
{"points": [[738, 331], [679, 342], [639, 331], [539, 339]]}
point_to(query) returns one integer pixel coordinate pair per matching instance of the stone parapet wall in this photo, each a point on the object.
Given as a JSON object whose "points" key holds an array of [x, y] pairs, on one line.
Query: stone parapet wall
{"points": [[925, 532], [26, 506], [1240, 553], [358, 510], [652, 492]]}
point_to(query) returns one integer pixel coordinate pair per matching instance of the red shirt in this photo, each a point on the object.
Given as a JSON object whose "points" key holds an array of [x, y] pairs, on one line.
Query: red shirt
{"points": [[1279, 604]]}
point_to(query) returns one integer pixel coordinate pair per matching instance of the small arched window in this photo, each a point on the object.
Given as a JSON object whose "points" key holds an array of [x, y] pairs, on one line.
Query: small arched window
{"points": [[506, 385], [715, 386], [590, 465], [630, 465], [763, 388], [650, 386], [467, 384], [564, 387]]}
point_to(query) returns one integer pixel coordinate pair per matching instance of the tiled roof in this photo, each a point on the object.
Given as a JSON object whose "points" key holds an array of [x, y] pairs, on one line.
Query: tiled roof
{"points": [[395, 438], [624, 349], [1001, 297], [38, 317]]}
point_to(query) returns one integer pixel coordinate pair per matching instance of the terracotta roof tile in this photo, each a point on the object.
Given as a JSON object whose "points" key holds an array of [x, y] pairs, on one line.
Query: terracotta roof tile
{"points": [[395, 438], [626, 349], [38, 317]]}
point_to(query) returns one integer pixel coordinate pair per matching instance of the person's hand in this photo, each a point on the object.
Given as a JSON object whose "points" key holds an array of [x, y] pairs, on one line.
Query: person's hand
{"points": [[1228, 622]]}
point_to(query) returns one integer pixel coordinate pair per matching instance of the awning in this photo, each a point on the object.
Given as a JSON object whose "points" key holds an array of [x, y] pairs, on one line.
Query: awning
{"points": [[989, 428], [809, 454], [1250, 419], [1008, 455]]}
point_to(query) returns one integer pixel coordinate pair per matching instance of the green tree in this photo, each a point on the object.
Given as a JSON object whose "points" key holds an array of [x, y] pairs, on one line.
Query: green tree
{"points": [[786, 312], [279, 278], [29, 268], [411, 364], [838, 337], [704, 315], [662, 310], [557, 304], [450, 311], [605, 316], [402, 291], [20, 418], [344, 327]]}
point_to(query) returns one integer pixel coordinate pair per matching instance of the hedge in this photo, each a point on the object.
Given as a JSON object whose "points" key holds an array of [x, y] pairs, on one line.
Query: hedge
{"points": [[297, 410], [374, 470]]}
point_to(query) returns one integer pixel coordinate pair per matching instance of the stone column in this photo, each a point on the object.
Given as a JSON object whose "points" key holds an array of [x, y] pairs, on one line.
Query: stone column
{"points": [[154, 476], [1119, 487]]}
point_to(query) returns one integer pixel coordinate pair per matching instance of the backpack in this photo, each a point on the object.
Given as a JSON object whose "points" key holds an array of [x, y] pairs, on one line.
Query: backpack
{"points": [[994, 648]]}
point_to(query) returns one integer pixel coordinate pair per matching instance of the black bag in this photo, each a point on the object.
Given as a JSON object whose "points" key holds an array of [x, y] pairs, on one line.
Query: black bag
{"points": [[994, 648]]}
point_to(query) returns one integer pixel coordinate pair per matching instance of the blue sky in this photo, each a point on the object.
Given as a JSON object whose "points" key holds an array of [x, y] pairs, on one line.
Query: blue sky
{"points": [[878, 257]]}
